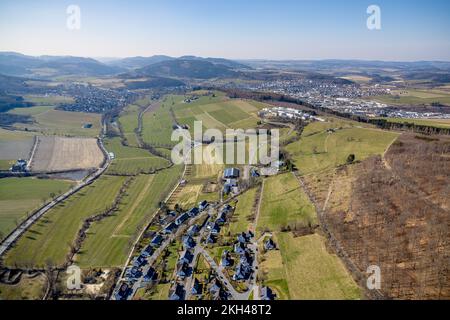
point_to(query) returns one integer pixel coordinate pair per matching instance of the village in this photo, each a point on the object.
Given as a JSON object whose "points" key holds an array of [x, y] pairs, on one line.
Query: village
{"points": [[199, 231]]}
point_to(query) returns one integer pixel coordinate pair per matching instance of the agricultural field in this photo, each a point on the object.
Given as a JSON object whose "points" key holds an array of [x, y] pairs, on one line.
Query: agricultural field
{"points": [[239, 221], [415, 97], [222, 114], [129, 122], [65, 123], [132, 160], [20, 196], [14, 145], [157, 126], [284, 204], [61, 153], [323, 151], [48, 241], [110, 240], [48, 100], [216, 112], [303, 269], [31, 111]]}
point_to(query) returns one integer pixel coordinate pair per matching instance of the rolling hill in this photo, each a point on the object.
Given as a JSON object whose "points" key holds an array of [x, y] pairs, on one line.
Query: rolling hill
{"points": [[187, 68], [16, 64]]}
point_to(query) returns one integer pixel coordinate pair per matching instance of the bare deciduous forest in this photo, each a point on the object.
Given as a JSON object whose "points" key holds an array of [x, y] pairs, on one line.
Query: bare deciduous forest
{"points": [[398, 217]]}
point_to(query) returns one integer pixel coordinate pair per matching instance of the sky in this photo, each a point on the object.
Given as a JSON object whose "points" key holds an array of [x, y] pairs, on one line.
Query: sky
{"points": [[236, 29]]}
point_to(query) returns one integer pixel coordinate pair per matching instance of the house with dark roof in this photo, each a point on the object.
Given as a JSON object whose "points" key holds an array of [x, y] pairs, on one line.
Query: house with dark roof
{"points": [[203, 205], [178, 293], [230, 185], [187, 257], [267, 294], [139, 261], [193, 230], [231, 173], [211, 238], [157, 240], [222, 218], [181, 219], [184, 270], [148, 251], [226, 261], [170, 228], [269, 245], [189, 242], [239, 248], [134, 272], [254, 173], [215, 229], [243, 272], [123, 292], [227, 208], [151, 275], [197, 287], [193, 212]]}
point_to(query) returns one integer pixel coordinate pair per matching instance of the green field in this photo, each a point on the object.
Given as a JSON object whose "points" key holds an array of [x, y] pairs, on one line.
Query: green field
{"points": [[129, 122], [132, 160], [239, 221], [110, 240], [157, 125], [48, 100], [48, 241], [323, 151], [217, 112], [64, 123], [20, 196], [284, 203], [32, 111], [303, 270]]}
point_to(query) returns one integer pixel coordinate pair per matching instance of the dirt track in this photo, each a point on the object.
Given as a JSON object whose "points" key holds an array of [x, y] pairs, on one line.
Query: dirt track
{"points": [[61, 153]]}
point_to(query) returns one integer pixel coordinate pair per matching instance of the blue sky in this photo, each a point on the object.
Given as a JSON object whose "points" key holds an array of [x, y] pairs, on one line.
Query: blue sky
{"points": [[247, 29]]}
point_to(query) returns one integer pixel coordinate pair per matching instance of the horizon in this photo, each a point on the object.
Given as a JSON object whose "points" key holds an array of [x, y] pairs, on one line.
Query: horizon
{"points": [[112, 58], [267, 30]]}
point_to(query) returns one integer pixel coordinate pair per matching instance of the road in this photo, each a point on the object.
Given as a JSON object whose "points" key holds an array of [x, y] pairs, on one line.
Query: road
{"points": [[12, 237]]}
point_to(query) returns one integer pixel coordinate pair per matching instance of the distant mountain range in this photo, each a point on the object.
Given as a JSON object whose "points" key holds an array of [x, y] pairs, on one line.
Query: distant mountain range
{"points": [[165, 69], [16, 64]]}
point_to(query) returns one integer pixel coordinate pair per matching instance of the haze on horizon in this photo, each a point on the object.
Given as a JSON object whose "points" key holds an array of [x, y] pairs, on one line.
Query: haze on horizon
{"points": [[254, 29]]}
